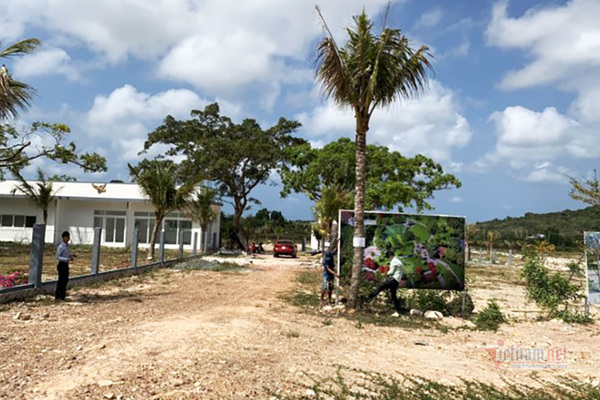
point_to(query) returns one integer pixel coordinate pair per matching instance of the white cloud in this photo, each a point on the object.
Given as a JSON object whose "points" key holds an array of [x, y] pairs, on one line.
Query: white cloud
{"points": [[545, 172], [456, 199], [525, 136], [430, 18], [563, 41], [563, 44], [430, 124], [50, 61], [125, 116], [217, 46]]}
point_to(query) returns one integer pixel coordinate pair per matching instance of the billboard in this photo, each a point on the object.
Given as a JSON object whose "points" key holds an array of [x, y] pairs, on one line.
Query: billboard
{"points": [[430, 247], [592, 265]]}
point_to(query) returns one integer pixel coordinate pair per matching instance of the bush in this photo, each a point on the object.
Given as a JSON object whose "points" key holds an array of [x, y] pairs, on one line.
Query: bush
{"points": [[448, 303], [490, 318], [550, 291]]}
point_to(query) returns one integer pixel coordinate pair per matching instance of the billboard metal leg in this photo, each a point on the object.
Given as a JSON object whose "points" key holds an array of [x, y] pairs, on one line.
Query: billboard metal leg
{"points": [[464, 300]]}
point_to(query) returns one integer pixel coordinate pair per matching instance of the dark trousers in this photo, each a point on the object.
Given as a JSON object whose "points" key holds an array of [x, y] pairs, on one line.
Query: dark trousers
{"points": [[63, 279], [392, 285]]}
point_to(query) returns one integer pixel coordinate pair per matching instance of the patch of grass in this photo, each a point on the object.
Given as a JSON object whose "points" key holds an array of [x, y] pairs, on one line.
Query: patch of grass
{"points": [[216, 266], [309, 278], [327, 322], [292, 334], [352, 384], [301, 299]]}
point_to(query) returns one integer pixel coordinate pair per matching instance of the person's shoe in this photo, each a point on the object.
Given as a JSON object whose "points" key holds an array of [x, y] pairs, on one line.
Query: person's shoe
{"points": [[396, 314]]}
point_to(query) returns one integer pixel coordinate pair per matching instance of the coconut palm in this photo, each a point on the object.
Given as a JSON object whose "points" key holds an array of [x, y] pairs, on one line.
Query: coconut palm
{"points": [[332, 200], [41, 194], [201, 210], [470, 231], [15, 95], [370, 71], [159, 180], [492, 237]]}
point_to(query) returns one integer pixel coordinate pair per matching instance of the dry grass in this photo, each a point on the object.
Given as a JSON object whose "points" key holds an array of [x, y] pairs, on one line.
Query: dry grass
{"points": [[15, 257]]}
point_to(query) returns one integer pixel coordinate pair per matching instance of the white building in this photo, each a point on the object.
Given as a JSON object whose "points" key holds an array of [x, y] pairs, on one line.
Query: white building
{"points": [[78, 207]]}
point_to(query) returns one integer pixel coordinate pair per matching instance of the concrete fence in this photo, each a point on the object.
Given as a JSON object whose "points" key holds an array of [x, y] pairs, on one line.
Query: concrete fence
{"points": [[35, 285]]}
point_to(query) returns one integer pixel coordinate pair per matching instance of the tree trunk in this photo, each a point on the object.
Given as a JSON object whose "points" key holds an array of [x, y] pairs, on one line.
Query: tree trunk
{"points": [[359, 203], [202, 240], [157, 223], [45, 213]]}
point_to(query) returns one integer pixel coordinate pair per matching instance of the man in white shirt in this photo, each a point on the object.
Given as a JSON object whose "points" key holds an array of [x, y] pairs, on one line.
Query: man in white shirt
{"points": [[63, 255], [392, 282]]}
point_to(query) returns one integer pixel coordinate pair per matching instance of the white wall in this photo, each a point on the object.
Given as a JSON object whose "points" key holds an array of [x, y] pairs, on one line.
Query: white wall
{"points": [[77, 217]]}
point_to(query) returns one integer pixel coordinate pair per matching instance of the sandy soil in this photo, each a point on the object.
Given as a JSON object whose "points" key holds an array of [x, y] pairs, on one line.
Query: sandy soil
{"points": [[228, 335]]}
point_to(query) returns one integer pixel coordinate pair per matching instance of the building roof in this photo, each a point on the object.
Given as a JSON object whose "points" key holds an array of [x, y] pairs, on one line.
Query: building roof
{"points": [[85, 190]]}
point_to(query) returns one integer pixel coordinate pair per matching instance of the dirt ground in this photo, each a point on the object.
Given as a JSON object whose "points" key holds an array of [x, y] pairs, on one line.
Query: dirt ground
{"points": [[229, 335]]}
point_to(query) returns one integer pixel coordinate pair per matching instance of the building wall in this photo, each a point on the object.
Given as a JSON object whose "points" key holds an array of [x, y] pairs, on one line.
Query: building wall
{"points": [[22, 206], [77, 217]]}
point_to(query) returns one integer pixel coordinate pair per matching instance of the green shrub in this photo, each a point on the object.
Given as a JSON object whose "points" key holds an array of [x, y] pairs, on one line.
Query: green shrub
{"points": [[490, 318], [550, 291]]}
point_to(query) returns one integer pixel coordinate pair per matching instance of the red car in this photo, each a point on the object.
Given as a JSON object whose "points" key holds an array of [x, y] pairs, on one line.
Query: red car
{"points": [[286, 247]]}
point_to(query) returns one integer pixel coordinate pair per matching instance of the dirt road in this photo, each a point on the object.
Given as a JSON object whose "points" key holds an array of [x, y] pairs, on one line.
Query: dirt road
{"points": [[227, 335]]}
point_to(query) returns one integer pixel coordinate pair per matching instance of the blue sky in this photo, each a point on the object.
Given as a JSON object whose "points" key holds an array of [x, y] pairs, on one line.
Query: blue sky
{"points": [[513, 106]]}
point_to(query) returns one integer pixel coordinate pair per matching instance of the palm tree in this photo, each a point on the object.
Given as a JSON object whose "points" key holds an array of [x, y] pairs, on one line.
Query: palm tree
{"points": [[15, 95], [201, 210], [544, 247], [492, 237], [41, 194], [332, 200], [470, 232], [159, 181], [368, 72]]}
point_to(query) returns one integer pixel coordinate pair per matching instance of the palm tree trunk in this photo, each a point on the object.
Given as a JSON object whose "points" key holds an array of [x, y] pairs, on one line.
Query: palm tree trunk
{"points": [[45, 214], [157, 223], [203, 240], [359, 203]]}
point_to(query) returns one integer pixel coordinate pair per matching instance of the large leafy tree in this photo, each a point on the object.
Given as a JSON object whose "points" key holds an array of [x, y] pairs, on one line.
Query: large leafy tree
{"points": [[238, 157], [41, 193], [369, 71], [161, 180], [391, 180], [15, 95], [201, 209]]}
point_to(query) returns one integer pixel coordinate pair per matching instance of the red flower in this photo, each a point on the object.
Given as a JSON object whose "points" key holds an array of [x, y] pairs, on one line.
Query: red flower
{"points": [[384, 269], [419, 270]]}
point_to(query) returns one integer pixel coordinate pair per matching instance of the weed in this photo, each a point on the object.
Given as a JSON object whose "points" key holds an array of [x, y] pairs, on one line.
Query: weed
{"points": [[301, 299], [490, 318], [308, 278], [352, 384], [327, 322], [292, 334]]}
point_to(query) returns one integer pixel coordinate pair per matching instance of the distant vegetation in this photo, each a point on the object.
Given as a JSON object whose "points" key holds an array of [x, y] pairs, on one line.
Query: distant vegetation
{"points": [[563, 229]]}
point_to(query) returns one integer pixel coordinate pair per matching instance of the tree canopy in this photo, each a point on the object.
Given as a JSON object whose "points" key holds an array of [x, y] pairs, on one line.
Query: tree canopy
{"points": [[238, 157], [392, 180], [17, 148]]}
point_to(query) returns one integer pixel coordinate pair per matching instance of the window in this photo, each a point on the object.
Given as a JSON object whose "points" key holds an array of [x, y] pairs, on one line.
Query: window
{"points": [[177, 222], [144, 223], [17, 221], [113, 224]]}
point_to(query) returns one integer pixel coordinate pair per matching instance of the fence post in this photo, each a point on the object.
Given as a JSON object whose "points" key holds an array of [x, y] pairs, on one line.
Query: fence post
{"points": [[161, 247], [180, 253], [96, 250], [36, 257], [134, 248], [303, 244], [195, 252]]}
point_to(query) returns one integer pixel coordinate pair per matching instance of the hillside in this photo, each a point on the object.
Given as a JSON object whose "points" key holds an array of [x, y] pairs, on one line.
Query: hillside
{"points": [[564, 229]]}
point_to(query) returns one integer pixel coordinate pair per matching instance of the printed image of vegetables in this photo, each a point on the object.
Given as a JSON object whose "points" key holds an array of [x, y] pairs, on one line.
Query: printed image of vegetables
{"points": [[431, 249]]}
